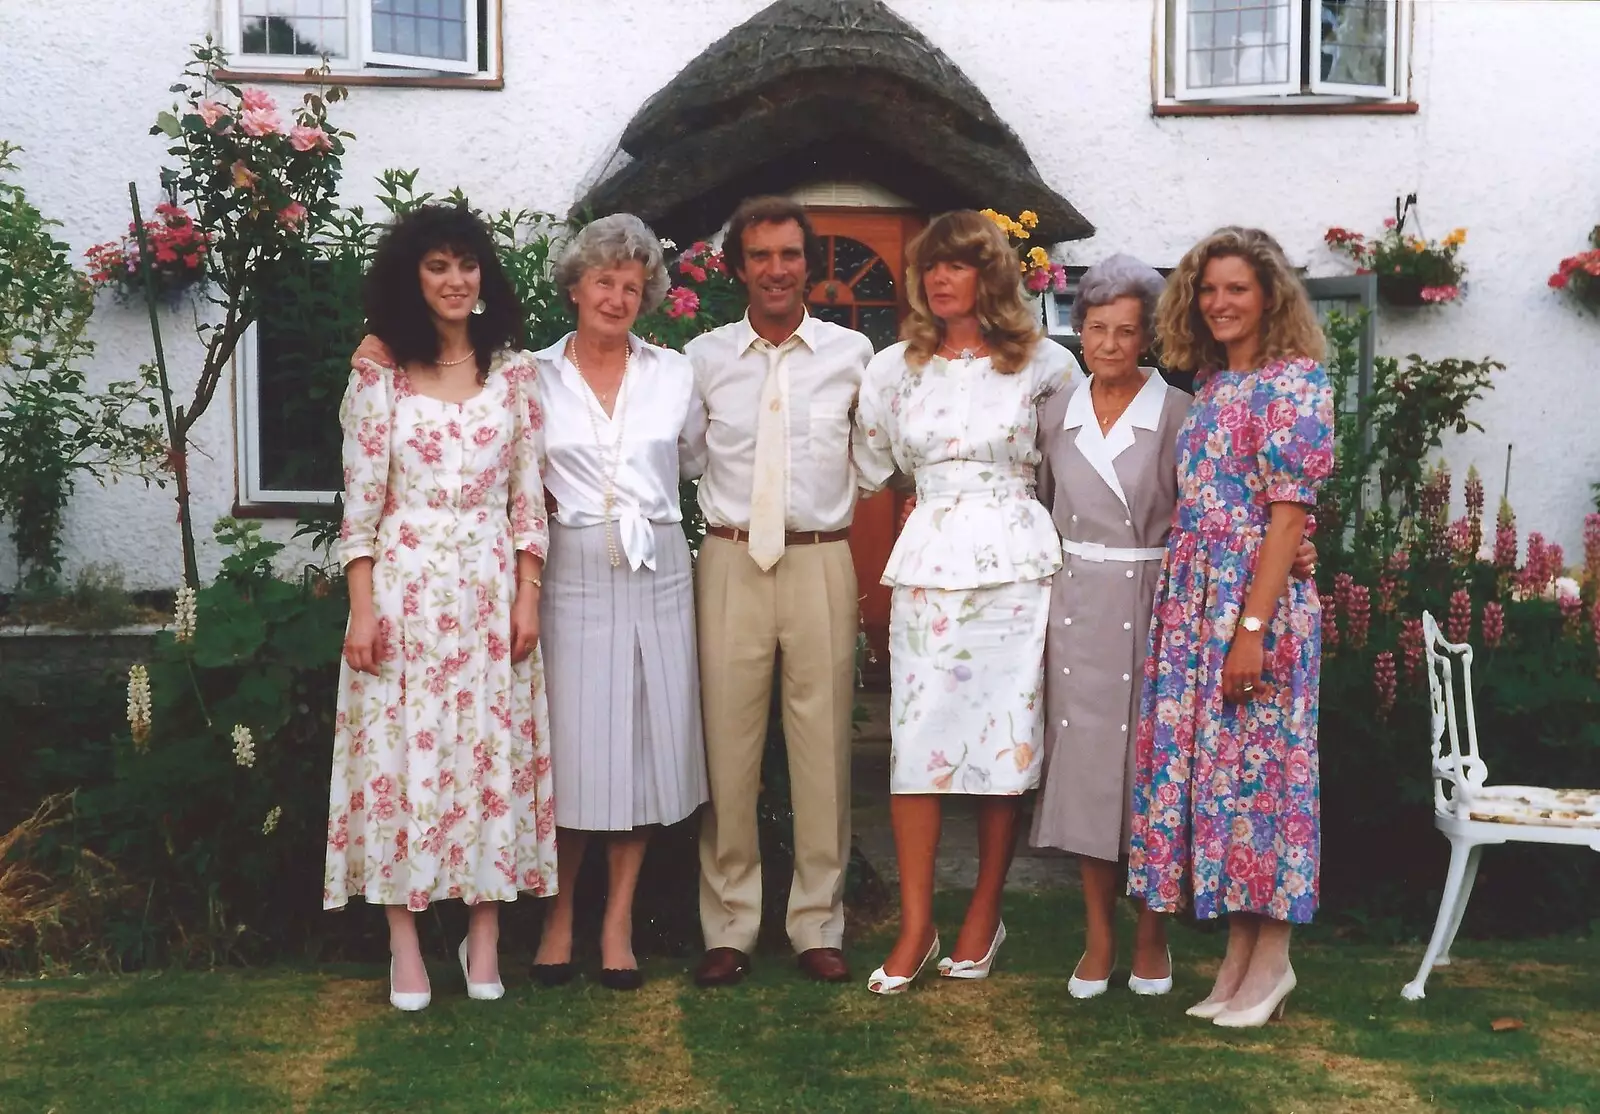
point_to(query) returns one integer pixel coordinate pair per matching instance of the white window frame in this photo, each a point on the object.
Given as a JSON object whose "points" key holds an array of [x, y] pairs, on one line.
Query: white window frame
{"points": [[1170, 77], [1180, 59], [1345, 89], [362, 59], [371, 55], [247, 434]]}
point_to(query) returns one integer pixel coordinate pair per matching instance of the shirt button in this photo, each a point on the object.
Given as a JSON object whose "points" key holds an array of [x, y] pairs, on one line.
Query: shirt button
{"points": [[1063, 723], [1066, 670], [1067, 622], [1127, 677], [1127, 522], [1069, 574], [1127, 626], [1130, 574], [1124, 728], [1074, 518]]}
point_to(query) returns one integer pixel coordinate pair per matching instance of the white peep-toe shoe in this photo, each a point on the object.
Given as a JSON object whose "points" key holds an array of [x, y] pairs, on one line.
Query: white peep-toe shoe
{"points": [[974, 968], [1152, 987], [1089, 988], [881, 982], [408, 1002], [481, 991]]}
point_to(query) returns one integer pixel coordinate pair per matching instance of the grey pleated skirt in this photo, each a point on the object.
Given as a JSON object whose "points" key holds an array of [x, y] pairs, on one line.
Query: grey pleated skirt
{"points": [[623, 679]]}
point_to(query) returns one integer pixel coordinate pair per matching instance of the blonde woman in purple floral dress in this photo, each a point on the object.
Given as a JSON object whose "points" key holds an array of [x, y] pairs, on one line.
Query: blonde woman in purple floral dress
{"points": [[1225, 807]]}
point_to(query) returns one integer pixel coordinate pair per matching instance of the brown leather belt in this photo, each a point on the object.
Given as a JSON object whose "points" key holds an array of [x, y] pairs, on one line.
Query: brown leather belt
{"points": [[792, 537]]}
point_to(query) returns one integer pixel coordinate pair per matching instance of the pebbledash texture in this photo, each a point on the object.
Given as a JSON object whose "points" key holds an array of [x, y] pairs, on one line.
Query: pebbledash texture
{"points": [[441, 766]]}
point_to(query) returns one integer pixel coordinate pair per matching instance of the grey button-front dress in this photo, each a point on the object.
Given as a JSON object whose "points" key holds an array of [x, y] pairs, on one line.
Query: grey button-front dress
{"points": [[1116, 491]]}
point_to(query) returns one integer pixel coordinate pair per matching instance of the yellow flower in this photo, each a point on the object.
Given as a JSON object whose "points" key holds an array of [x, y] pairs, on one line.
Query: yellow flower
{"points": [[1456, 238], [1029, 218], [1419, 246], [1039, 257]]}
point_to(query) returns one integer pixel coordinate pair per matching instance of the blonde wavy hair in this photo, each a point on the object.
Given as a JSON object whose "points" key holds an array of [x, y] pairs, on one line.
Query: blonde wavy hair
{"points": [[1289, 327], [1009, 329]]}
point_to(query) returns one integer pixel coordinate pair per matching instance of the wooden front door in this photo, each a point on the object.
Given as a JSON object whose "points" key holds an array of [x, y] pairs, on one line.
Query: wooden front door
{"points": [[863, 288]]}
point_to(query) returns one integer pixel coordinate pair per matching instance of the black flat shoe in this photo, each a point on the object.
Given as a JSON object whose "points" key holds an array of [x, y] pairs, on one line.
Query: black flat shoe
{"points": [[552, 974], [621, 978]]}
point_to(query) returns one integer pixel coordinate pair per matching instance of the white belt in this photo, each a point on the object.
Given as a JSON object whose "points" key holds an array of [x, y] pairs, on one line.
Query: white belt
{"points": [[1094, 551]]}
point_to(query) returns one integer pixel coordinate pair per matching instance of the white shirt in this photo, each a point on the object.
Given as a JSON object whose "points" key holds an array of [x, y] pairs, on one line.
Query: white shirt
{"points": [[820, 376], [662, 426]]}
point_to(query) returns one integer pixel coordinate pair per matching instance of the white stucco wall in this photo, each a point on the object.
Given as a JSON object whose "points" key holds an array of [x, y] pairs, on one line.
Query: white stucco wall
{"points": [[1504, 144]]}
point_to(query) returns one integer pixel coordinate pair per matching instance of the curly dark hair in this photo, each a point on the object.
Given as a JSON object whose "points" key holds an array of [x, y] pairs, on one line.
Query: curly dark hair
{"points": [[392, 295], [772, 210]]}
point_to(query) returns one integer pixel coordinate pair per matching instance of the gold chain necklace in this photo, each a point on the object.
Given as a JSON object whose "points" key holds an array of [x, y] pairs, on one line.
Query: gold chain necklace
{"points": [[471, 352], [618, 416]]}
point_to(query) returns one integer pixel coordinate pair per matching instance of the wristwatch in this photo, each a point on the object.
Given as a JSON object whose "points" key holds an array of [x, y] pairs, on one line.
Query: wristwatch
{"points": [[1251, 624]]}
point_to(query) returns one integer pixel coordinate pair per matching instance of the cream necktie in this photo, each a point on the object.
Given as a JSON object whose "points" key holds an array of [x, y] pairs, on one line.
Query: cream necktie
{"points": [[769, 488]]}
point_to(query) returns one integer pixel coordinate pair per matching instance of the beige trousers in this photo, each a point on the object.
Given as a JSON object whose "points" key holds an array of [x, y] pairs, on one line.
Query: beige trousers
{"points": [[802, 613]]}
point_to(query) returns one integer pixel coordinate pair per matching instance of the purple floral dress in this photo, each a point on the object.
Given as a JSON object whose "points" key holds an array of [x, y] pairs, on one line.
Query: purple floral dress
{"points": [[1225, 797]]}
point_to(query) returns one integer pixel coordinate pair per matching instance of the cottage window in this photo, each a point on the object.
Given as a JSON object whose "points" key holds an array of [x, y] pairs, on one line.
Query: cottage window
{"points": [[292, 368], [367, 40], [1267, 52]]}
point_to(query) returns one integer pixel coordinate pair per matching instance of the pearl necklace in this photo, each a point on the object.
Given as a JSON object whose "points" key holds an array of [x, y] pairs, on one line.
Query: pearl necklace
{"points": [[452, 363], [611, 466]]}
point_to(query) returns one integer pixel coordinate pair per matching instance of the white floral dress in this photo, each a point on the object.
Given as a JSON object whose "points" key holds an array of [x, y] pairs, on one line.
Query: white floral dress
{"points": [[971, 570], [441, 781]]}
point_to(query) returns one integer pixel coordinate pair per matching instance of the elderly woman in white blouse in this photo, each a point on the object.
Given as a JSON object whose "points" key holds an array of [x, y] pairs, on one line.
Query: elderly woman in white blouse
{"points": [[623, 424]]}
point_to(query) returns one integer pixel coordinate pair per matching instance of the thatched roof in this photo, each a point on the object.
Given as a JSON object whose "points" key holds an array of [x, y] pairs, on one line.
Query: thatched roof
{"points": [[822, 89]]}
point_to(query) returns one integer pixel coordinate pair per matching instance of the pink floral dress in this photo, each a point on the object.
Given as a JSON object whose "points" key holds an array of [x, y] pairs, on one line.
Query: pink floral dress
{"points": [[1225, 797], [441, 781]]}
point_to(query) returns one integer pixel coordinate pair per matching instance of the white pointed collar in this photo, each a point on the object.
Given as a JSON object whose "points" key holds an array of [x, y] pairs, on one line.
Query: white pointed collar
{"points": [[1144, 411]]}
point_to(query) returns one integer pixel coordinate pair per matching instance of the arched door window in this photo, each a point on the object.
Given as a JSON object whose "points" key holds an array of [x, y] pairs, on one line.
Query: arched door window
{"points": [[858, 291]]}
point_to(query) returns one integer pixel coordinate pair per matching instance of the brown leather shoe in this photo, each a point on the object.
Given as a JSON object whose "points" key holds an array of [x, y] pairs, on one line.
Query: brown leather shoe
{"points": [[722, 967], [825, 965]]}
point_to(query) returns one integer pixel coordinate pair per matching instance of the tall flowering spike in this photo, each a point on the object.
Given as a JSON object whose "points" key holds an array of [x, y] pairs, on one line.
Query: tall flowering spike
{"points": [[1459, 540], [139, 706], [1594, 624], [1505, 538], [1389, 588], [270, 824], [1411, 648], [1330, 625], [1571, 614], [1555, 562], [244, 747], [1383, 682], [1358, 616], [1591, 550], [1459, 623], [1474, 496], [1532, 578], [1343, 585], [183, 616], [1494, 624]]}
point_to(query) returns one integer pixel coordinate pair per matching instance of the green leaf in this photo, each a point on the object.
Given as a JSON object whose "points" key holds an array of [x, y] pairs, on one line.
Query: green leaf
{"points": [[169, 125]]}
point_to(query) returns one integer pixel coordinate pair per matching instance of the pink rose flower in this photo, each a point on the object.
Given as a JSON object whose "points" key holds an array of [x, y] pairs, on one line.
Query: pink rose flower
{"points": [[309, 139], [243, 177], [292, 216], [211, 111], [259, 122], [258, 100]]}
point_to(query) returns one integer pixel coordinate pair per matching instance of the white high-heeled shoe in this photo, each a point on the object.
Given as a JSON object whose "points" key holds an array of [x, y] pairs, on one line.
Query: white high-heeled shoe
{"points": [[1088, 988], [408, 1002], [1152, 987], [881, 982], [1269, 1009], [482, 991], [974, 968]]}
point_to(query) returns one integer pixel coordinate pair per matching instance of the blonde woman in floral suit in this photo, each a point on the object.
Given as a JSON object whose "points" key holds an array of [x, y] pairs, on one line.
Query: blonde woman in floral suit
{"points": [[956, 406], [441, 765]]}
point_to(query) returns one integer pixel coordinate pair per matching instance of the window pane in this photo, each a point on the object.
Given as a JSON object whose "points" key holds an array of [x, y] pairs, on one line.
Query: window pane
{"points": [[1238, 42], [296, 28], [881, 324], [423, 28], [310, 322], [1355, 41]]}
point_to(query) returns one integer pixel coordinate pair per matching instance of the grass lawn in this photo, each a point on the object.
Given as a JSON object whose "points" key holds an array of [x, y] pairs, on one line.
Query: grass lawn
{"points": [[298, 1039]]}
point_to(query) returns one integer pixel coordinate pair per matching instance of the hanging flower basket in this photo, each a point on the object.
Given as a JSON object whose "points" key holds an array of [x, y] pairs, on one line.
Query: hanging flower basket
{"points": [[180, 256], [1579, 274], [1411, 270]]}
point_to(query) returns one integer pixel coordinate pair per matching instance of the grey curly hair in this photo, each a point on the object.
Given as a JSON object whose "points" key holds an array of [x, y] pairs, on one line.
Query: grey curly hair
{"points": [[608, 242], [1120, 276]]}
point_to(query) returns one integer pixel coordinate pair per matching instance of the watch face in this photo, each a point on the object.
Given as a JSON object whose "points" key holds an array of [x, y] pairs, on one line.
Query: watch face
{"points": [[1251, 624]]}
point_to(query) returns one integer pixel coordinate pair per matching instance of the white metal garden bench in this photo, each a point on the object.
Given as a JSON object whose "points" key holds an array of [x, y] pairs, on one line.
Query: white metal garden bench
{"points": [[1472, 813]]}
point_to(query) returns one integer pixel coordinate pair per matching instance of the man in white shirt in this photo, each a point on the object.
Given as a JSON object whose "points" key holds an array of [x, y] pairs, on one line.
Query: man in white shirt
{"points": [[775, 583]]}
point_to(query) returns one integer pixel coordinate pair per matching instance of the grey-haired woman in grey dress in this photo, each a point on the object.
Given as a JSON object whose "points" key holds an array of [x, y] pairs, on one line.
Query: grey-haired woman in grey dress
{"points": [[1109, 477]]}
